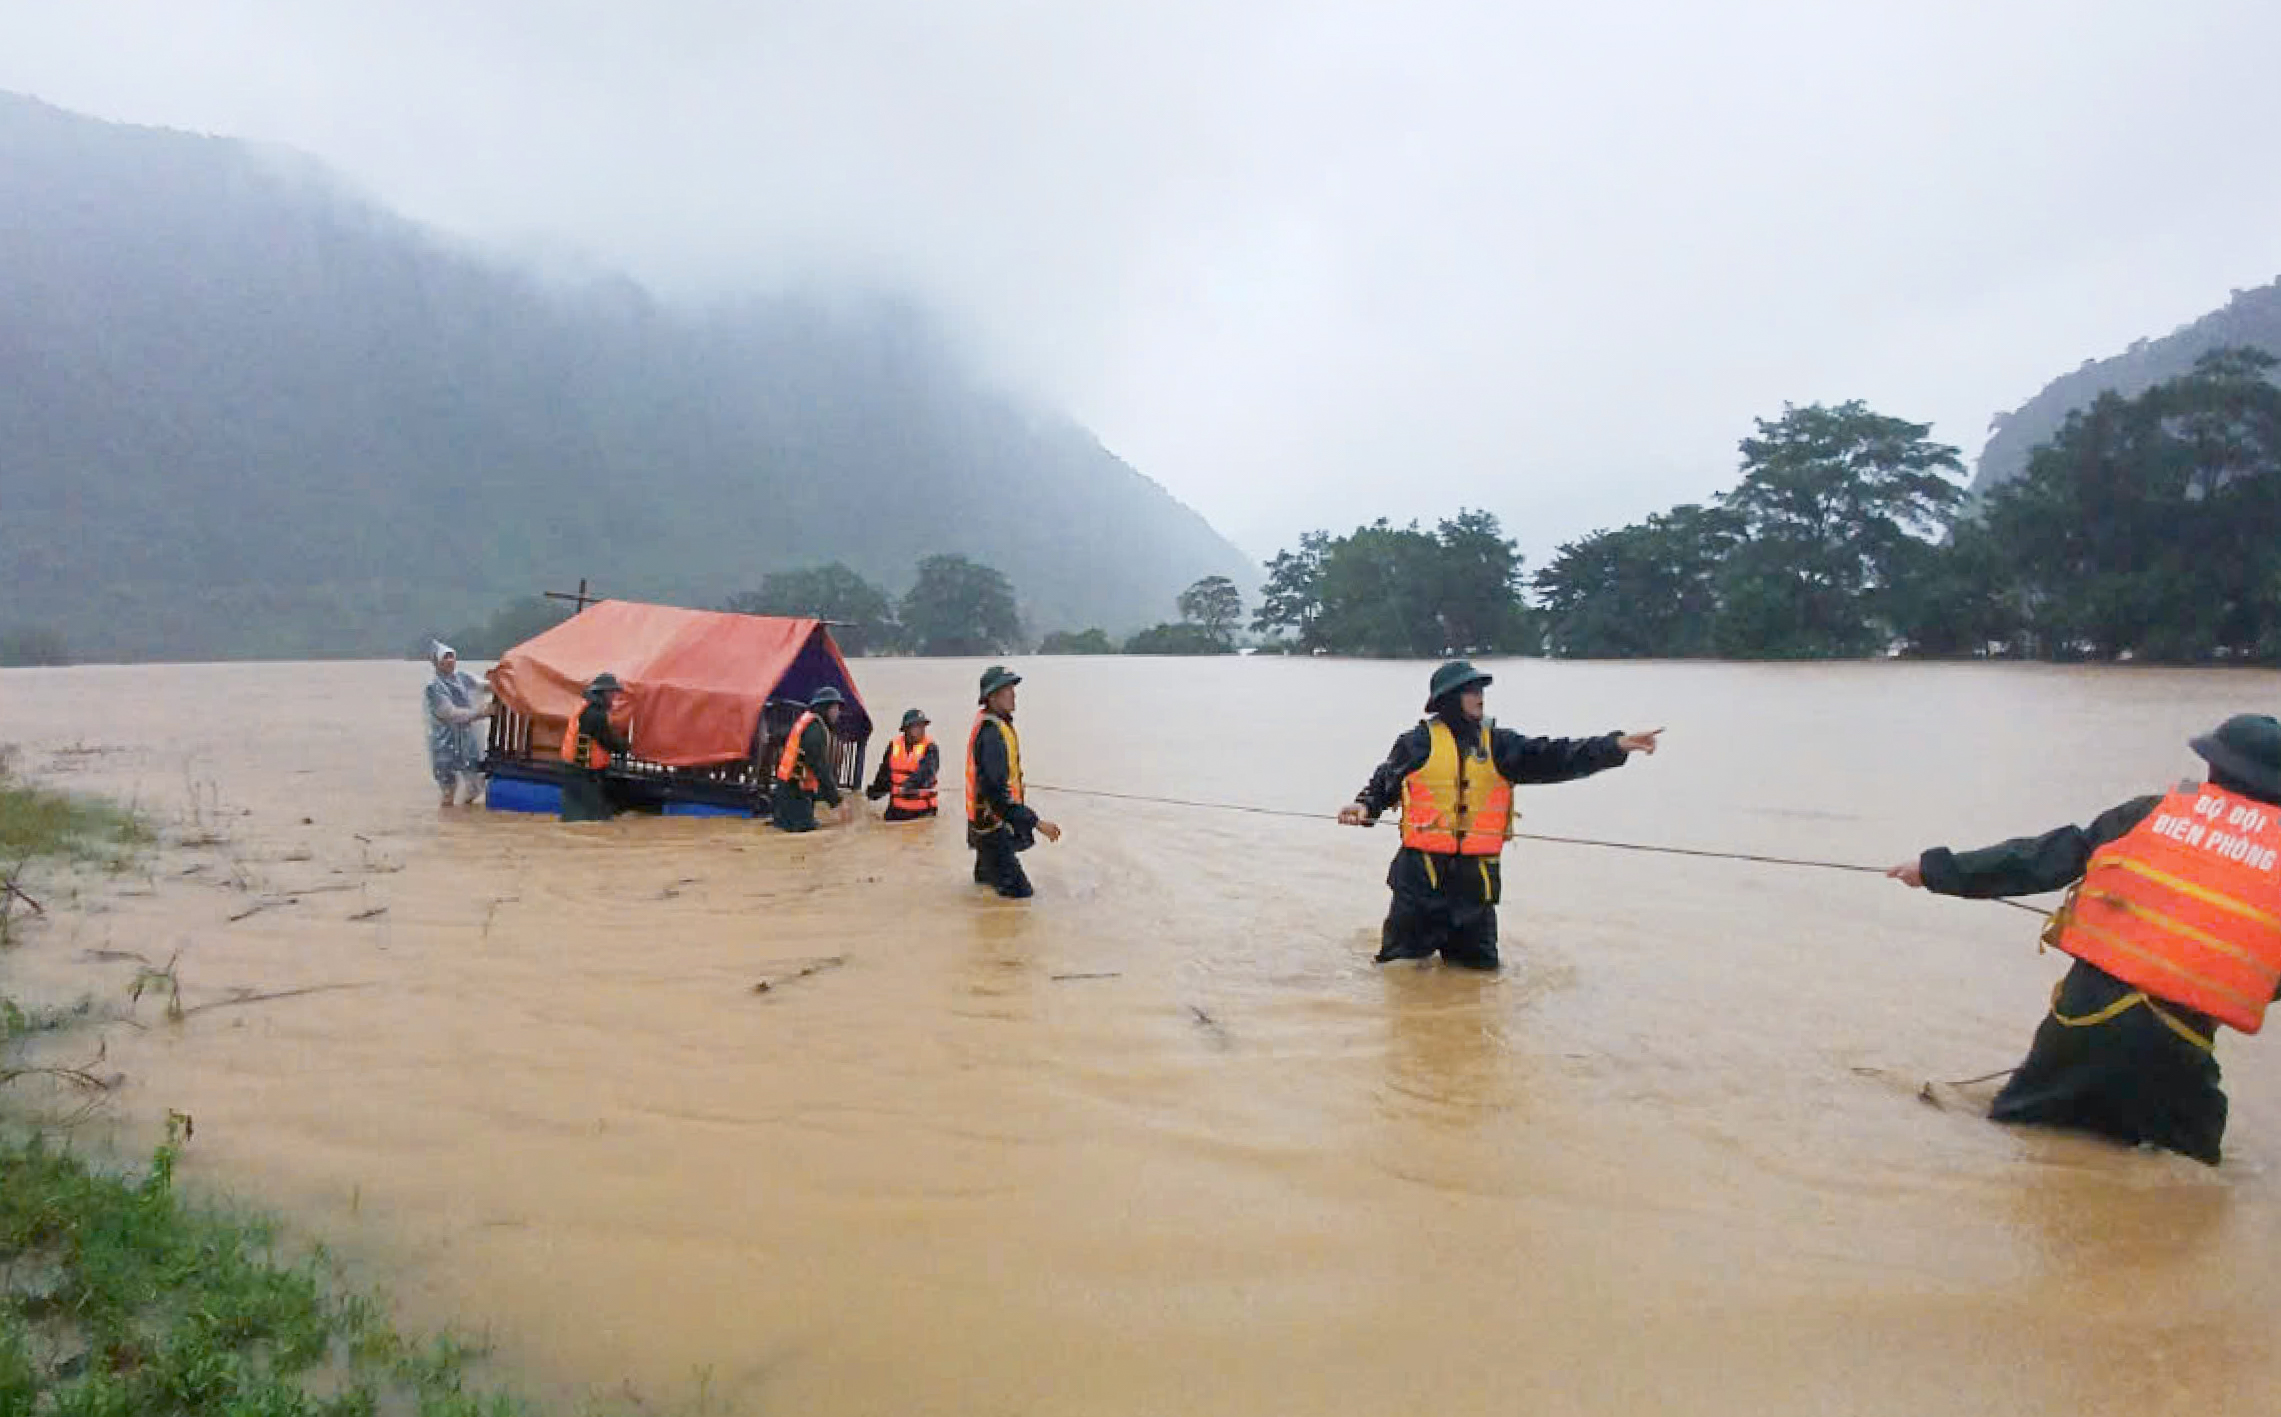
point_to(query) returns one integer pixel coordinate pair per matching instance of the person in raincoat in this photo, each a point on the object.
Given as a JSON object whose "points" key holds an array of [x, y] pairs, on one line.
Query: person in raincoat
{"points": [[456, 703], [2174, 923], [1453, 777]]}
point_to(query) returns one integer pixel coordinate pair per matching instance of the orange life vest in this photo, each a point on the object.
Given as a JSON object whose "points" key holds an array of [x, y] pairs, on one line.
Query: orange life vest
{"points": [[580, 750], [902, 761], [1457, 804], [790, 767], [2187, 906], [979, 814]]}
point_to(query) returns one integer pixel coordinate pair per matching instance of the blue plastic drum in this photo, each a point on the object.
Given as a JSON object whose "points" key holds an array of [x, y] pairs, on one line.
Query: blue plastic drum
{"points": [[516, 794]]}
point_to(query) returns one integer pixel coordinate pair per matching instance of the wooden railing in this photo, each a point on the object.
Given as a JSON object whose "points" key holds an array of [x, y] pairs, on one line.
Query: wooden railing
{"points": [[510, 743]]}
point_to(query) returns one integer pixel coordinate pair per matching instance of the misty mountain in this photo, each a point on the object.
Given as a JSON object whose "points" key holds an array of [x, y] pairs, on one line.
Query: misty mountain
{"points": [[2251, 317], [246, 412]]}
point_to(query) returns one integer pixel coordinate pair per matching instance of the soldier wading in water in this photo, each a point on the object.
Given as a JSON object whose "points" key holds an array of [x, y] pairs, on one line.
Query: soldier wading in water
{"points": [[2174, 921], [1453, 775]]}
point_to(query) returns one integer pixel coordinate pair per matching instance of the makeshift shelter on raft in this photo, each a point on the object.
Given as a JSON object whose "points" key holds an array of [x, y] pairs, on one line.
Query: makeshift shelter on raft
{"points": [[710, 697]]}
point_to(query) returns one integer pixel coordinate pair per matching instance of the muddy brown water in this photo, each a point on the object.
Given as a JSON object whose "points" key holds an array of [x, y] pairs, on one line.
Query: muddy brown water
{"points": [[1672, 1159]]}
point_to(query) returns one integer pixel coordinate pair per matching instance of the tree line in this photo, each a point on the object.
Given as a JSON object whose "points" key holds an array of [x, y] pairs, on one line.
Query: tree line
{"points": [[2146, 528], [955, 606]]}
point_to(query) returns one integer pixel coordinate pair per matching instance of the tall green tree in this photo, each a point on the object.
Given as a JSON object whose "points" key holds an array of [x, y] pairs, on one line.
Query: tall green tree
{"points": [[1957, 600], [1830, 501], [958, 606], [864, 617], [1478, 583], [1647, 590], [1292, 598], [1401, 591], [1215, 606], [1380, 594], [2151, 526]]}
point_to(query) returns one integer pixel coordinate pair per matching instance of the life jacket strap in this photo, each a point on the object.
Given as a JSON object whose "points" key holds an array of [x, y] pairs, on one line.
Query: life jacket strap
{"points": [[2123, 1006]]}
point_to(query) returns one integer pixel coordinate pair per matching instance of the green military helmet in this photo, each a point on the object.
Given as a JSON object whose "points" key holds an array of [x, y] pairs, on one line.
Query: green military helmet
{"points": [[2247, 749], [605, 683], [1450, 678], [825, 695], [997, 677], [913, 716]]}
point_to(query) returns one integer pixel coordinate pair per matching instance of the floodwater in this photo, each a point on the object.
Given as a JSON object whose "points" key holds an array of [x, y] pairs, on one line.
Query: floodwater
{"points": [[1164, 1140]]}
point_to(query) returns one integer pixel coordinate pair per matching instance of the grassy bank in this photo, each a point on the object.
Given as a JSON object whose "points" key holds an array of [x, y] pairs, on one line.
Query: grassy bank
{"points": [[35, 821], [119, 1297]]}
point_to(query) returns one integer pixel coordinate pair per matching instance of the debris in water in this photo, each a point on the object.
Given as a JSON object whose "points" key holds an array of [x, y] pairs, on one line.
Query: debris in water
{"points": [[814, 967]]}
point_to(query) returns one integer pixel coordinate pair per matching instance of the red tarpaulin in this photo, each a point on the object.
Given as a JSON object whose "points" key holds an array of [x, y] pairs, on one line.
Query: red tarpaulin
{"points": [[695, 679]]}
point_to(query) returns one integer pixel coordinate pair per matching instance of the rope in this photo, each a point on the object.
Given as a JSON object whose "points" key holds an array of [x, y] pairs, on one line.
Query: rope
{"points": [[1521, 836]]}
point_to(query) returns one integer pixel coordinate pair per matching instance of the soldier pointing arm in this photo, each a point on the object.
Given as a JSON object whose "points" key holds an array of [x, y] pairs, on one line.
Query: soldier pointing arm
{"points": [[1453, 776]]}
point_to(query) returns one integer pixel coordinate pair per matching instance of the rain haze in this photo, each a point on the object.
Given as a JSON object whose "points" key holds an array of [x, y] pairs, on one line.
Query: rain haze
{"points": [[1311, 264]]}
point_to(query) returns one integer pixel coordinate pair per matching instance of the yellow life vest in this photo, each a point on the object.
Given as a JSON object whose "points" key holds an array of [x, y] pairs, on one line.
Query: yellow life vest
{"points": [[979, 814], [1457, 804]]}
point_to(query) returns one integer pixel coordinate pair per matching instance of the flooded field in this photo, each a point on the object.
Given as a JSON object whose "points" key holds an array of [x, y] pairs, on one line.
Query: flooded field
{"points": [[1164, 1140]]}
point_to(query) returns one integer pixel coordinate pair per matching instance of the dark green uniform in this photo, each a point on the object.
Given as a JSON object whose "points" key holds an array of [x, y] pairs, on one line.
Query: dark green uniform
{"points": [[793, 808], [585, 791], [1449, 902], [923, 775], [1012, 826], [2130, 1075]]}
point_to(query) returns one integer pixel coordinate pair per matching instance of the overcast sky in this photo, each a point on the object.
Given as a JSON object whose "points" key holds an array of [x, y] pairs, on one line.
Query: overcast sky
{"points": [[1305, 262]]}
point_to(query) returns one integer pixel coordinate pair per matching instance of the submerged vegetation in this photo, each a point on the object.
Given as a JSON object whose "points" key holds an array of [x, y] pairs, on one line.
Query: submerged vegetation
{"points": [[37, 822], [119, 1297]]}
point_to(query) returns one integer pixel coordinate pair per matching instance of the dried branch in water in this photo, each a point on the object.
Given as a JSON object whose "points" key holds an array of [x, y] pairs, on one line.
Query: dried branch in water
{"points": [[12, 891], [241, 999], [77, 1076], [80, 1076], [815, 967]]}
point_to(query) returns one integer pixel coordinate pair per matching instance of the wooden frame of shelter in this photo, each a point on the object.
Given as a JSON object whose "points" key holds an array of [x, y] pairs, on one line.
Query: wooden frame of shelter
{"points": [[710, 698]]}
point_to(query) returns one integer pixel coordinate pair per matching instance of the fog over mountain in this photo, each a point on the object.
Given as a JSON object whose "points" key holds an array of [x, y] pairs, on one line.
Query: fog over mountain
{"points": [[245, 411]]}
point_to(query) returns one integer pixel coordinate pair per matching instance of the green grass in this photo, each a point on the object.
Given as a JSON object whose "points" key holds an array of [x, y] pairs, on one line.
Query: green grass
{"points": [[118, 1298], [35, 821]]}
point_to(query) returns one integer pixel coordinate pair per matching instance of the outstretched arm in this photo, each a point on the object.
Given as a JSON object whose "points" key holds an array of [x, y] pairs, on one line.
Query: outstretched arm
{"points": [[1523, 759], [2025, 865], [1384, 789]]}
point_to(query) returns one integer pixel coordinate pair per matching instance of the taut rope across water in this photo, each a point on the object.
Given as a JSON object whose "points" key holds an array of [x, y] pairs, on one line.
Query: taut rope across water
{"points": [[1517, 836]]}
